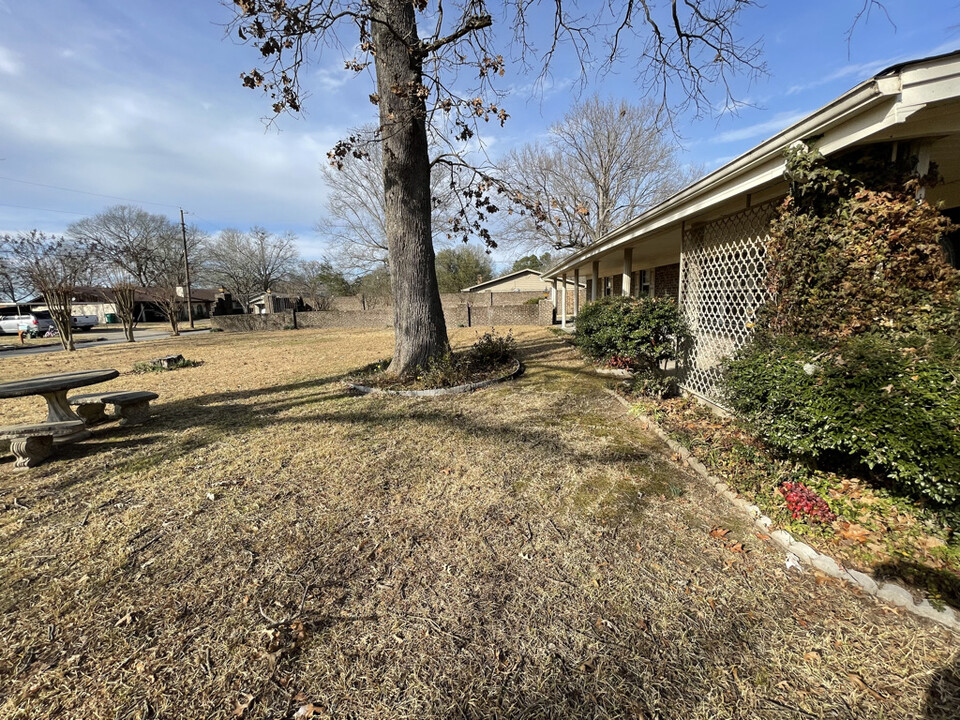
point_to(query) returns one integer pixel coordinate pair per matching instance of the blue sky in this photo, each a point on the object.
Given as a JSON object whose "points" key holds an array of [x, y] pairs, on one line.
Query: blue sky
{"points": [[141, 101]]}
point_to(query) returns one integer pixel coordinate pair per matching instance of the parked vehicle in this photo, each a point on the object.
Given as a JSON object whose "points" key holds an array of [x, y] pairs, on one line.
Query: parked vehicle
{"points": [[36, 323], [84, 323]]}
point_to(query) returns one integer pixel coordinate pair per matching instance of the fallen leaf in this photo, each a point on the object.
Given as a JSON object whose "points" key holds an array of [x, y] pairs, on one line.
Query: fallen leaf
{"points": [[857, 680], [854, 532], [719, 533], [308, 710], [735, 548], [242, 705], [763, 536], [811, 657]]}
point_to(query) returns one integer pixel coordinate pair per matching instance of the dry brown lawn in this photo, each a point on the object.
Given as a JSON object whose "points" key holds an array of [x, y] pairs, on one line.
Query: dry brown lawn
{"points": [[271, 546]]}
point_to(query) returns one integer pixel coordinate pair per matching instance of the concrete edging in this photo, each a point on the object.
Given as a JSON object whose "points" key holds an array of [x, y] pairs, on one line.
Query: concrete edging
{"points": [[889, 592], [436, 392]]}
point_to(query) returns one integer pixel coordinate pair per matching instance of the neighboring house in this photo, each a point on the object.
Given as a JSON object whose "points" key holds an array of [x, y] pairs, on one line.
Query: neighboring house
{"points": [[705, 245], [273, 302], [91, 300], [518, 281]]}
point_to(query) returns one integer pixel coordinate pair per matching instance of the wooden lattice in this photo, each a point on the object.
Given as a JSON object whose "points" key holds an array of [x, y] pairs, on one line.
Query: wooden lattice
{"points": [[722, 285]]}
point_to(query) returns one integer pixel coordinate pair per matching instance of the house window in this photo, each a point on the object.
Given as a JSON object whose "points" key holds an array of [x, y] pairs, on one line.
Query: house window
{"points": [[642, 283]]}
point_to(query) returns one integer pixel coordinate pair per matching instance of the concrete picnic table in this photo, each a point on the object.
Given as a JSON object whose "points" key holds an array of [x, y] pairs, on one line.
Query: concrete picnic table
{"points": [[54, 389]]}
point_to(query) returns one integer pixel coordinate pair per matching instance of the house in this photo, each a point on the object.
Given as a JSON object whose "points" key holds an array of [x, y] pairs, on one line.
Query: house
{"points": [[99, 301], [705, 245], [526, 280], [275, 302]]}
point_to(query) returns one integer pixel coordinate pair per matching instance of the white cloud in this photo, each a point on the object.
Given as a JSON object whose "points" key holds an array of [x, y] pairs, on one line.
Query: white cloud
{"points": [[9, 62]]}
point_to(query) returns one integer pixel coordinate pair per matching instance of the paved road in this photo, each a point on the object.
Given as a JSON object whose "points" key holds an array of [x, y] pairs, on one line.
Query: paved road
{"points": [[94, 338]]}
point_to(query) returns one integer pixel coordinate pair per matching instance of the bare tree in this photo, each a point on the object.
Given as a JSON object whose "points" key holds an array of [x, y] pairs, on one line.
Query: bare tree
{"points": [[12, 287], [251, 263], [602, 164], [53, 267], [311, 281], [356, 222], [690, 44], [137, 249]]}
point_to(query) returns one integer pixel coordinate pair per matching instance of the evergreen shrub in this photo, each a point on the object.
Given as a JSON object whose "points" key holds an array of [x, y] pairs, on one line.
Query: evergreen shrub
{"points": [[645, 333]]}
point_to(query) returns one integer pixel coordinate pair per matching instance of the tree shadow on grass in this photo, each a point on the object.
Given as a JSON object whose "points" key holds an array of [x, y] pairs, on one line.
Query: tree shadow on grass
{"points": [[942, 584], [943, 697]]}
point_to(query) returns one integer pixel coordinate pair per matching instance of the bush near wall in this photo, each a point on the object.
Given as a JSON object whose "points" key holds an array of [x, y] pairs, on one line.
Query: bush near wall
{"points": [[857, 359], [644, 330], [891, 404]]}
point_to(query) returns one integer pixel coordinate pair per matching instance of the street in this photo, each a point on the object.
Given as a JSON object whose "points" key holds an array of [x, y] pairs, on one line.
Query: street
{"points": [[98, 336]]}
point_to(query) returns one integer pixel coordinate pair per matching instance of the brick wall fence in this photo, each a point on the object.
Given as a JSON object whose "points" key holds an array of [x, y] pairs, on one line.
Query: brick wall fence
{"points": [[459, 310]]}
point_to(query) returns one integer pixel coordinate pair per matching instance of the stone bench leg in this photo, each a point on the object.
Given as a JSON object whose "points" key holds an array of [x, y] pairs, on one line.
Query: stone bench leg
{"points": [[92, 413], [31, 451], [134, 413]]}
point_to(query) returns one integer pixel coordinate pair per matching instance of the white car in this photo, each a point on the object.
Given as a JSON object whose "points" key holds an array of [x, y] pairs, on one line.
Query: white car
{"points": [[36, 323]]}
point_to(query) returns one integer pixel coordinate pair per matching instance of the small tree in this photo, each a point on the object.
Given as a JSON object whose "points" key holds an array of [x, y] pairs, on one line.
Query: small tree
{"points": [[53, 267], [532, 262], [121, 291], [316, 282], [462, 267]]}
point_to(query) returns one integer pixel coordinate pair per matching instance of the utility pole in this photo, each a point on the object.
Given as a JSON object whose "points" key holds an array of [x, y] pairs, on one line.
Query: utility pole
{"points": [[186, 264]]}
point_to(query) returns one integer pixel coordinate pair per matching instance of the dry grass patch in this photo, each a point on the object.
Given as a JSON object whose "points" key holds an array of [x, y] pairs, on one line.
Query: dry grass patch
{"points": [[271, 544]]}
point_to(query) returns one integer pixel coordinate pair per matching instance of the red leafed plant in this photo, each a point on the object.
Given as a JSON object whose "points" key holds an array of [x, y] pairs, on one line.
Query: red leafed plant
{"points": [[804, 502], [619, 362]]}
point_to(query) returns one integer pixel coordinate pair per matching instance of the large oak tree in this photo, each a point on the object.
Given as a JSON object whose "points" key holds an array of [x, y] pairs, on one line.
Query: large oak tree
{"points": [[683, 49]]}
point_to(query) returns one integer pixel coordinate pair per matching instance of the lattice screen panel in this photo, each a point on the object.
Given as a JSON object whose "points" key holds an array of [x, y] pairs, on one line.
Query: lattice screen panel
{"points": [[723, 284]]}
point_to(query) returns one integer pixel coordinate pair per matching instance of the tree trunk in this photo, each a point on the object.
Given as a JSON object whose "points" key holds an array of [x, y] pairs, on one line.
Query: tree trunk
{"points": [[420, 332], [60, 306], [124, 302]]}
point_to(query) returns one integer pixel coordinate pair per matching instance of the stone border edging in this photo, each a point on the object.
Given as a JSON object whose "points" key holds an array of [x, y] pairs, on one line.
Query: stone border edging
{"points": [[436, 392], [889, 592]]}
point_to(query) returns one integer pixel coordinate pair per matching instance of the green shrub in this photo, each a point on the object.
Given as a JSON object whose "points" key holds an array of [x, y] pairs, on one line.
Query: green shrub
{"points": [[891, 403], [491, 350], [653, 384], [645, 331]]}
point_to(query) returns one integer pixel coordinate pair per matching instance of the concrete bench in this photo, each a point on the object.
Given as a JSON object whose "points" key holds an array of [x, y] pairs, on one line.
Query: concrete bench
{"points": [[132, 407], [32, 444]]}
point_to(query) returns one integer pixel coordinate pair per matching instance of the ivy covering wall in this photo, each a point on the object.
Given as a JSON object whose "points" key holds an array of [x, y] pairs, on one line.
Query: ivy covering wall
{"points": [[857, 356]]}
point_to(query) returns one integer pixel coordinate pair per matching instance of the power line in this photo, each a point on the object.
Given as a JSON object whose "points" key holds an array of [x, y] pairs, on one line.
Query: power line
{"points": [[26, 207], [84, 192]]}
